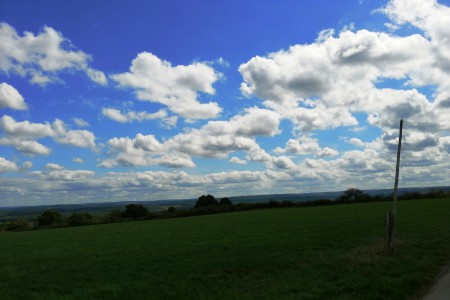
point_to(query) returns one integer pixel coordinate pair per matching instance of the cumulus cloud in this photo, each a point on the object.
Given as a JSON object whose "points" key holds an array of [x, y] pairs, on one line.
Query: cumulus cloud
{"points": [[321, 85], [80, 122], [282, 162], [78, 160], [144, 150], [306, 145], [303, 146], [78, 138], [41, 57], [130, 116], [254, 122], [23, 135], [215, 139], [65, 175], [7, 166], [237, 161], [26, 147], [11, 98], [327, 152], [54, 167], [176, 87]]}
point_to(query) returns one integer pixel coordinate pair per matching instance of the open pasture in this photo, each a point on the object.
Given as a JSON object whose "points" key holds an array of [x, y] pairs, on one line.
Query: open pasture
{"points": [[331, 252]]}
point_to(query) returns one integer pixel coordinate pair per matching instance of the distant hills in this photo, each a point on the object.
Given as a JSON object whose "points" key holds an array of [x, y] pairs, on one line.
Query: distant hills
{"points": [[9, 213]]}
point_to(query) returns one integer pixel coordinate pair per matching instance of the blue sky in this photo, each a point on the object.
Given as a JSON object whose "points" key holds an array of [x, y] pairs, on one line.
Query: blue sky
{"points": [[142, 100]]}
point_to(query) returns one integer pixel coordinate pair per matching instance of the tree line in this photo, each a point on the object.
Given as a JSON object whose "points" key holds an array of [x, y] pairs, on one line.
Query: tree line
{"points": [[206, 204]]}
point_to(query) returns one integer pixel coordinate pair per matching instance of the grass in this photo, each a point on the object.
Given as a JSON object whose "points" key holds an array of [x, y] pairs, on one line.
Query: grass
{"points": [[333, 252]]}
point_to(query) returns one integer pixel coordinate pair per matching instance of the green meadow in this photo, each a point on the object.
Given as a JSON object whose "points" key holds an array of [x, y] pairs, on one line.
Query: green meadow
{"points": [[329, 252]]}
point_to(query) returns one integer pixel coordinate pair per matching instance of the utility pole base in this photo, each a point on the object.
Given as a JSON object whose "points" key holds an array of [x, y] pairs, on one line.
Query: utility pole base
{"points": [[390, 228]]}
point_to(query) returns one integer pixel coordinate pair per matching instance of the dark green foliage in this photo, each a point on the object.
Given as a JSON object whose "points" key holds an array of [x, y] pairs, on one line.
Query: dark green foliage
{"points": [[207, 204], [113, 216], [80, 219], [135, 211], [205, 201], [50, 218], [18, 225], [351, 195], [225, 201]]}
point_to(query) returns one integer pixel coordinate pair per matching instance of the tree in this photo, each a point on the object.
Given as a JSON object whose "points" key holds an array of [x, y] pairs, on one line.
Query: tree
{"points": [[225, 202], [135, 211], [79, 219], [18, 225], [49, 218], [351, 195], [114, 216], [206, 200]]}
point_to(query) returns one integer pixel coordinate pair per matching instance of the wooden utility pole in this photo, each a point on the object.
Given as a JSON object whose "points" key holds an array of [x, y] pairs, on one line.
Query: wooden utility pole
{"points": [[392, 213]]}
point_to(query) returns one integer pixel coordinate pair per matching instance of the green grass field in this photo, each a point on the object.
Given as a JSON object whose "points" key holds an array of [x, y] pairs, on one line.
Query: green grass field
{"points": [[332, 252]]}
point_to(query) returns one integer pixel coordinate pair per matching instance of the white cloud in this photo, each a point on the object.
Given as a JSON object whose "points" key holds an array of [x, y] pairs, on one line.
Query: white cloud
{"points": [[237, 161], [7, 166], [306, 145], [215, 139], [327, 152], [200, 143], [97, 76], [176, 87], [78, 138], [141, 142], [53, 167], [130, 116], [255, 122], [356, 142], [325, 34], [175, 160], [11, 98], [144, 150], [26, 146], [303, 145], [80, 122], [65, 175], [283, 162], [40, 57], [321, 85], [28, 130], [78, 160], [23, 135]]}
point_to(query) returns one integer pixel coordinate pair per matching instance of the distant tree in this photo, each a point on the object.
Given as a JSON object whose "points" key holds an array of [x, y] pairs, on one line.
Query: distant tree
{"points": [[49, 218], [171, 209], [135, 211], [113, 216], [206, 200], [18, 225], [79, 219], [351, 195], [225, 202]]}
